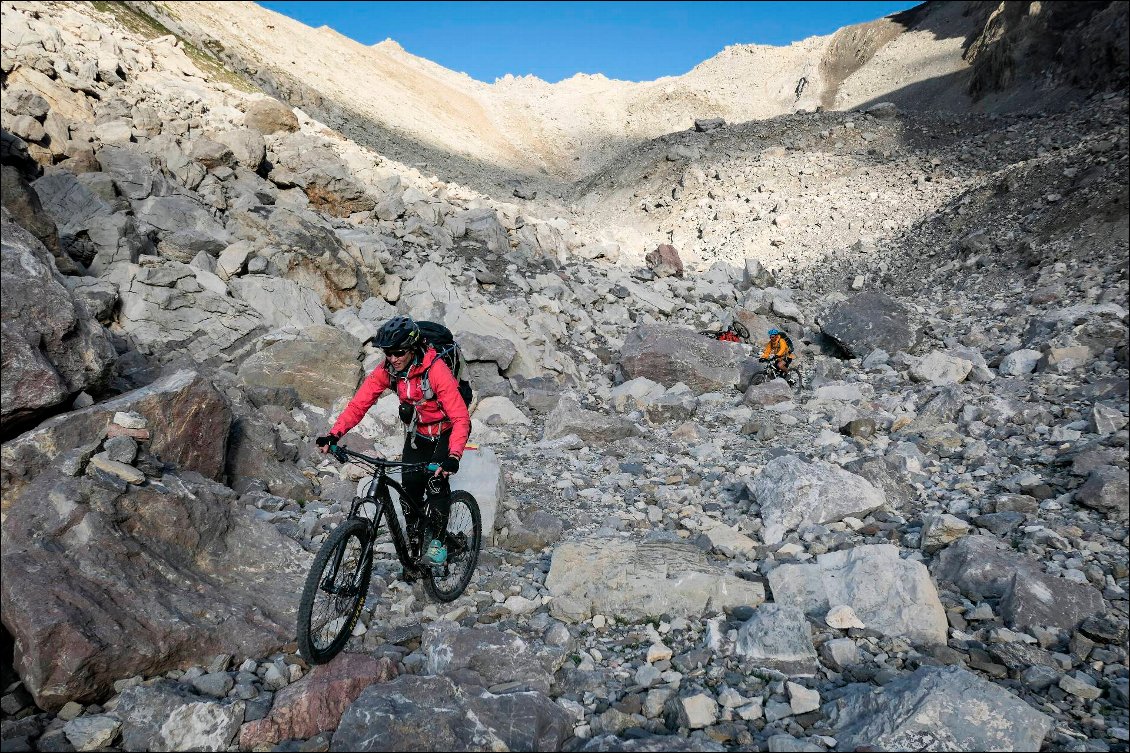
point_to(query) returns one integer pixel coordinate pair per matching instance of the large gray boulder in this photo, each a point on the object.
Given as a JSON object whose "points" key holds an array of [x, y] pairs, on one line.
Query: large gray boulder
{"points": [[100, 584], [568, 417], [136, 174], [166, 716], [247, 146], [311, 164], [870, 321], [489, 657], [1107, 489], [984, 567], [433, 713], [669, 354], [939, 708], [321, 365], [779, 637], [26, 208], [269, 116], [184, 225], [187, 420], [480, 474], [794, 493], [638, 580], [257, 455], [279, 302], [52, 348], [169, 313], [889, 594]]}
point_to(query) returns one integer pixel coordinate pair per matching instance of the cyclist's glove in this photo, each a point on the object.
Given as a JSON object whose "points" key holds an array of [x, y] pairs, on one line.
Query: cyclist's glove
{"points": [[327, 439], [451, 465]]}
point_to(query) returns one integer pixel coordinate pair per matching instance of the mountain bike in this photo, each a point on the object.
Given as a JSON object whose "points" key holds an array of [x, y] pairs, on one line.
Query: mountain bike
{"points": [[338, 582], [794, 376]]}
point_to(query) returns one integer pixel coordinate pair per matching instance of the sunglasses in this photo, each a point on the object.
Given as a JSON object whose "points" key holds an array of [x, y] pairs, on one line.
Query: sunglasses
{"points": [[396, 353]]}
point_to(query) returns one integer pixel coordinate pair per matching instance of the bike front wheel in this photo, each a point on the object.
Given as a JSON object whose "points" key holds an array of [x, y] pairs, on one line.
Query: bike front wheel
{"points": [[335, 593], [463, 538]]}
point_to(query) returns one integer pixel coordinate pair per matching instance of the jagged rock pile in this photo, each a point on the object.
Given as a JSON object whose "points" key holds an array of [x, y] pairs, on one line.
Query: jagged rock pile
{"points": [[677, 555]]}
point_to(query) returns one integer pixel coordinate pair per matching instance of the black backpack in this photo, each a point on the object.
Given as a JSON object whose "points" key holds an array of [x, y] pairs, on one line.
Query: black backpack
{"points": [[788, 341], [439, 338]]}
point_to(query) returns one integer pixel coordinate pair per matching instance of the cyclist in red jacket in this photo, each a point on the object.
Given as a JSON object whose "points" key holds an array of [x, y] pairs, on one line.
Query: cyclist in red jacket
{"points": [[431, 406]]}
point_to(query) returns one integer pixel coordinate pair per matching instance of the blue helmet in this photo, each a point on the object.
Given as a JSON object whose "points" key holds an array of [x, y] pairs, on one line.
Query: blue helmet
{"points": [[774, 332]]}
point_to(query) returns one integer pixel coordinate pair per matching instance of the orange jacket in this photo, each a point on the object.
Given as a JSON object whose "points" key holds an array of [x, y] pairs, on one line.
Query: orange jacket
{"points": [[445, 410], [781, 351]]}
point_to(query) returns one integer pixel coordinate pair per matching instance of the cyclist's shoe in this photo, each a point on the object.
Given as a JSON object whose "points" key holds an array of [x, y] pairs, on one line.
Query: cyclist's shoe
{"points": [[436, 554]]}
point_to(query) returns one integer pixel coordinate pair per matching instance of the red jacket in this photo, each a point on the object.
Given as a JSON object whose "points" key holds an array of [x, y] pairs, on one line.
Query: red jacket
{"points": [[445, 410]]}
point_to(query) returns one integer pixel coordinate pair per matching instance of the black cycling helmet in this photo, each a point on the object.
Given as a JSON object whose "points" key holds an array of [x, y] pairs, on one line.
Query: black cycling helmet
{"points": [[398, 333]]}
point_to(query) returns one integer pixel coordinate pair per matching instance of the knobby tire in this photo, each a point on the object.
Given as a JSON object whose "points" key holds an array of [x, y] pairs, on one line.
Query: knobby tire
{"points": [[319, 640], [463, 538]]}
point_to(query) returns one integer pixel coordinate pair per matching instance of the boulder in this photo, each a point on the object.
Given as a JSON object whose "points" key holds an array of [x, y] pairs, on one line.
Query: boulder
{"points": [[704, 125], [984, 567], [165, 716], [257, 455], [433, 713], [311, 164], [169, 313], [212, 154], [664, 261], [480, 473], [184, 225], [768, 393], [942, 529], [246, 146], [478, 347], [635, 394], [1107, 488], [432, 296], [269, 116], [488, 657], [535, 531], [279, 302], [499, 411], [26, 208], [754, 275], [778, 637], [187, 418], [668, 354], [939, 368], [1019, 362], [676, 404], [101, 583], [939, 708], [794, 493], [869, 321], [637, 580], [890, 594], [322, 365], [136, 174], [568, 417], [315, 703], [52, 348]]}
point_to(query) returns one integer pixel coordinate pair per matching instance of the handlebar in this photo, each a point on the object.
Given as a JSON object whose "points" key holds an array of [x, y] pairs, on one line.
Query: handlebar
{"points": [[343, 455]]}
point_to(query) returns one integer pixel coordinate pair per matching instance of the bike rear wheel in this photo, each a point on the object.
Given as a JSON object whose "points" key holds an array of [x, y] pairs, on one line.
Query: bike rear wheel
{"points": [[334, 594], [463, 538]]}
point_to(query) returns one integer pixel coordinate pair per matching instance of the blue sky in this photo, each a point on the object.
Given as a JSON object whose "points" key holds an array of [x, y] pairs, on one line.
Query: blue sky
{"points": [[634, 41]]}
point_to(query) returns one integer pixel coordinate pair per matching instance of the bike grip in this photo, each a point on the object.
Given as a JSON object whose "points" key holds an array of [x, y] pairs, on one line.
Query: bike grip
{"points": [[433, 467]]}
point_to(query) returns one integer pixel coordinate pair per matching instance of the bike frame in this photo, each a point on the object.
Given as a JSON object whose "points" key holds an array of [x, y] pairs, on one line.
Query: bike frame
{"points": [[377, 494]]}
